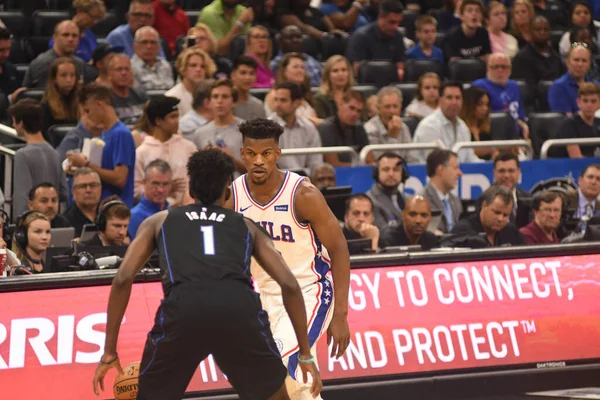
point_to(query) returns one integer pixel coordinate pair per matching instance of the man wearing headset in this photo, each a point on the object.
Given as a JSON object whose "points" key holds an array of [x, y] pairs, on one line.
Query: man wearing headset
{"points": [[388, 201], [112, 222]]}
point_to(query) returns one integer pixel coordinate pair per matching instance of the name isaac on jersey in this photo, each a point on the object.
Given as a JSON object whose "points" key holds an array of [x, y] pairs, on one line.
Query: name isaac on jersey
{"points": [[193, 215]]}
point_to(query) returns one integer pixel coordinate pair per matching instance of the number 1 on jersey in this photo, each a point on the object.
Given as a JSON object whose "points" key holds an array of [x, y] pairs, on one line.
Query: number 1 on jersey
{"points": [[208, 238]]}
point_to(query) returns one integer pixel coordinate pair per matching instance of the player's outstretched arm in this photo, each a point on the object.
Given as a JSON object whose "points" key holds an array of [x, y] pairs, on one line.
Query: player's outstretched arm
{"points": [[311, 207], [273, 263], [136, 256]]}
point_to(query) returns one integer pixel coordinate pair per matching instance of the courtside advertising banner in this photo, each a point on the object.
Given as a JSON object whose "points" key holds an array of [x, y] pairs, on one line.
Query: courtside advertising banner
{"points": [[541, 312]]}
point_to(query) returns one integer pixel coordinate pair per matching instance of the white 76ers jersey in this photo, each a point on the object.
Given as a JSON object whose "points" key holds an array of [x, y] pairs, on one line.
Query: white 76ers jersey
{"points": [[296, 241]]}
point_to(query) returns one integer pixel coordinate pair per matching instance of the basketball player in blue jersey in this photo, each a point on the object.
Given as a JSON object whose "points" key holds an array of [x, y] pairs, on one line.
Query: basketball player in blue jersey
{"points": [[309, 237], [210, 306]]}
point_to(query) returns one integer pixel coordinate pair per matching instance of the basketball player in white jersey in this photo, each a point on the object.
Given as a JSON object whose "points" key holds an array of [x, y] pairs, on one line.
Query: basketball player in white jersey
{"points": [[307, 234]]}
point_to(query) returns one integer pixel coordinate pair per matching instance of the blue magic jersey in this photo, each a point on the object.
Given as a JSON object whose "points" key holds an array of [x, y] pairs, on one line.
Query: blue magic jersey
{"points": [[296, 241]]}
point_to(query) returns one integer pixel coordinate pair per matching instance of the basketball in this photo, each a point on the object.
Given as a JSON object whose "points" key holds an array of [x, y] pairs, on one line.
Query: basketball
{"points": [[126, 385]]}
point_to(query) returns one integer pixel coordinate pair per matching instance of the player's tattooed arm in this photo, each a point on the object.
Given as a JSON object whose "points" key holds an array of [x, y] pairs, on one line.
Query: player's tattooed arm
{"points": [[311, 207]]}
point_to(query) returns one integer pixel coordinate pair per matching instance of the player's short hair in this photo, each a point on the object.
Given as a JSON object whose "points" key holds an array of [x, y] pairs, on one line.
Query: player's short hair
{"points": [[261, 128], [210, 171]]}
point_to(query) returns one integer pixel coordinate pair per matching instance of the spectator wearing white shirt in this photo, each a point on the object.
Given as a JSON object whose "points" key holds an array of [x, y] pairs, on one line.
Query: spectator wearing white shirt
{"points": [[201, 113], [387, 127], [150, 72], [298, 132], [193, 66], [445, 125]]}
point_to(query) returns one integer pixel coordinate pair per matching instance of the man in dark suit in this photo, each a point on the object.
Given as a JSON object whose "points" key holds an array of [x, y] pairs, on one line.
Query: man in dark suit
{"points": [[492, 219], [413, 230], [584, 200], [443, 172], [388, 201], [507, 172]]}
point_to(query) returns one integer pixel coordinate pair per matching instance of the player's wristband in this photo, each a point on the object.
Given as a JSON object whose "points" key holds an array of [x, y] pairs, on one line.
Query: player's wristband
{"points": [[111, 361], [307, 361]]}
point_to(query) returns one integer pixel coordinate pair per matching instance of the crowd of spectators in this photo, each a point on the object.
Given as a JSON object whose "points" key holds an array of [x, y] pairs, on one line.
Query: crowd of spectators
{"points": [[171, 79]]}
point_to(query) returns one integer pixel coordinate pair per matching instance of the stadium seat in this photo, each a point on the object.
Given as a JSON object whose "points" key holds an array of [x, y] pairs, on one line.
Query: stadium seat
{"points": [[260, 93], [102, 28], [311, 46], [377, 72], [408, 92], [467, 69], [16, 22], [503, 126], [35, 45], [366, 90], [436, 13], [21, 71], [35, 94], [543, 126], [439, 39], [44, 21], [415, 68], [527, 95], [408, 22], [333, 45], [57, 133], [179, 45], [411, 122], [555, 36], [238, 46], [193, 16], [541, 95], [17, 54]]}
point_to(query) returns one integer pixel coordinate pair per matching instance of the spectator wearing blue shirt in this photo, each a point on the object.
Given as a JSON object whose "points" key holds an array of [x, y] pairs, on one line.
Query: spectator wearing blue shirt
{"points": [[87, 13], [504, 93], [157, 185], [118, 157], [346, 15], [141, 13], [426, 29], [562, 95]]}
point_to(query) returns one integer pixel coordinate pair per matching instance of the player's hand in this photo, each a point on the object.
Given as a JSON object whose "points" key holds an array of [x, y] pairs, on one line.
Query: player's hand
{"points": [[311, 368], [102, 369], [339, 333]]}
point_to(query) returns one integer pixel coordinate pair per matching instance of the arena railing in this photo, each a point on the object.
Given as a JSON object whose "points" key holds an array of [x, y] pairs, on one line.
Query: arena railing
{"points": [[564, 143], [398, 146], [321, 150], [500, 144]]}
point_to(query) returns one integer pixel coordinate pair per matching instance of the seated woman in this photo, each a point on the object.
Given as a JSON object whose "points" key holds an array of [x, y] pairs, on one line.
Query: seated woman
{"points": [[581, 17], [87, 13], [476, 114], [291, 69], [259, 47], [496, 20], [521, 15], [427, 96], [60, 103], [205, 40], [31, 239], [337, 79]]}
